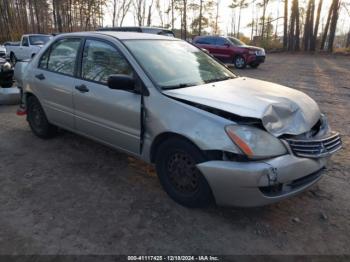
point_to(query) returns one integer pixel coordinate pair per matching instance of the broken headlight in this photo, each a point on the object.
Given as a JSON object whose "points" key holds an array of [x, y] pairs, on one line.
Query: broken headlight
{"points": [[254, 142]]}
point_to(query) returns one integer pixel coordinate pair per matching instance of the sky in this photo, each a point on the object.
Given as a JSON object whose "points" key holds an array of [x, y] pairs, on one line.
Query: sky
{"points": [[275, 9]]}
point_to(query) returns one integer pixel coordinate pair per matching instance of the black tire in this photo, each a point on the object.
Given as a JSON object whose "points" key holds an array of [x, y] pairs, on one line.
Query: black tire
{"points": [[13, 59], [176, 161], [254, 65], [239, 62], [37, 119], [32, 56]]}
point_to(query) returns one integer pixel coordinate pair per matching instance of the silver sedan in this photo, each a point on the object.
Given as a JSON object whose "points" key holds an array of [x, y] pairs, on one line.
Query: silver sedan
{"points": [[213, 136]]}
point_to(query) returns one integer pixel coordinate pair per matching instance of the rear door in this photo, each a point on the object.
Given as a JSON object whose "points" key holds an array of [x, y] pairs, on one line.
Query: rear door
{"points": [[207, 43], [110, 116], [53, 80]]}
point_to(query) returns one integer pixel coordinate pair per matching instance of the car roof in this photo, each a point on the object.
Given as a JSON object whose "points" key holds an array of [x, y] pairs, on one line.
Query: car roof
{"points": [[36, 35], [139, 28], [211, 36], [121, 35]]}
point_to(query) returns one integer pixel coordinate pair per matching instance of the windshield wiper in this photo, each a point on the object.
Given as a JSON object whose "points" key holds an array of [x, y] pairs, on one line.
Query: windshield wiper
{"points": [[218, 79], [182, 85]]}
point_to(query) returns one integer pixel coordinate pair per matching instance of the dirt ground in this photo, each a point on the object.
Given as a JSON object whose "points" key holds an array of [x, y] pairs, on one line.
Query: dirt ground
{"points": [[70, 195]]}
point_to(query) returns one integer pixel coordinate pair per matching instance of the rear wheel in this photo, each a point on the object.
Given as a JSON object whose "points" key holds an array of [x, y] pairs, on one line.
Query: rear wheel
{"points": [[176, 161], [239, 62], [37, 119]]}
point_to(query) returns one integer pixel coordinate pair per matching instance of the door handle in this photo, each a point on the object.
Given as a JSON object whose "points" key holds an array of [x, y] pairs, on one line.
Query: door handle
{"points": [[40, 76], [82, 88]]}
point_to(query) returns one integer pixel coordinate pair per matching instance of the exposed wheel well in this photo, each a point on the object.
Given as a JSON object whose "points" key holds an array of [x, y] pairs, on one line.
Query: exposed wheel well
{"points": [[238, 55], [209, 154], [163, 137], [28, 95], [33, 55]]}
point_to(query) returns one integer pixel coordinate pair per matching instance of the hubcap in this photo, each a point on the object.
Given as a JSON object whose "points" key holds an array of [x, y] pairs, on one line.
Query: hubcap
{"points": [[239, 62], [183, 173]]}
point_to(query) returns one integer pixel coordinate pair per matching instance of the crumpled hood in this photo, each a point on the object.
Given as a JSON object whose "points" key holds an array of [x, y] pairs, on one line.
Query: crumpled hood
{"points": [[282, 110]]}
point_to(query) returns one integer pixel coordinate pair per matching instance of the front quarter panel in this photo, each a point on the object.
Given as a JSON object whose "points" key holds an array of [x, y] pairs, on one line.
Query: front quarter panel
{"points": [[165, 114]]}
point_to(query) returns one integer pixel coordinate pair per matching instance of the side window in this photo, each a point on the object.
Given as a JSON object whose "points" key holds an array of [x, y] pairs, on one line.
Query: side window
{"points": [[100, 60], [25, 41], [221, 41], [44, 59], [63, 56], [204, 41]]}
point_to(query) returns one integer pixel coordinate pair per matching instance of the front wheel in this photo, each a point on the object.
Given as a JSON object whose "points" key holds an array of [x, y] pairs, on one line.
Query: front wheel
{"points": [[37, 119], [239, 62], [13, 59], [176, 162]]}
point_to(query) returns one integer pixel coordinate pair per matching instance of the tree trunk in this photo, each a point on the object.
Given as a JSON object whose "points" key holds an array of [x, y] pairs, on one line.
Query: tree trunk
{"points": [[265, 3], [217, 16], [333, 26], [185, 18], [294, 32], [172, 14], [114, 12], [308, 27], [297, 27], [239, 21], [325, 33], [314, 36], [200, 17], [285, 25], [149, 14], [348, 40]]}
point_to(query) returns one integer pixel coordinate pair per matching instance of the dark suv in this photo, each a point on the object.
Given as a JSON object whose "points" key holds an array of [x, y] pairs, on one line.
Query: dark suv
{"points": [[231, 50]]}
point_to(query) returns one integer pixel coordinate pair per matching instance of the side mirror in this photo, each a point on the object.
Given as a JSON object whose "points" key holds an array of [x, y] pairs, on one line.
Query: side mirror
{"points": [[227, 44], [121, 82]]}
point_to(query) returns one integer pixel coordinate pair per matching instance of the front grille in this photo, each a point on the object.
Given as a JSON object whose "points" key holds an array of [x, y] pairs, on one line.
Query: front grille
{"points": [[315, 148]]}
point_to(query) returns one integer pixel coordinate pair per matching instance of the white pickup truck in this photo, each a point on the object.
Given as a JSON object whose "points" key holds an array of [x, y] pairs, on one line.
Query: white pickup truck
{"points": [[27, 48]]}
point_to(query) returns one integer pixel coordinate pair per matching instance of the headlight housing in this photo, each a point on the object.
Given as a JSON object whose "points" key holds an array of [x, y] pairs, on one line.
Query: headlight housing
{"points": [[255, 143]]}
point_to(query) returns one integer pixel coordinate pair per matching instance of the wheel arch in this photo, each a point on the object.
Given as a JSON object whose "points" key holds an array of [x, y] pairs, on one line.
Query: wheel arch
{"points": [[160, 138], [27, 95]]}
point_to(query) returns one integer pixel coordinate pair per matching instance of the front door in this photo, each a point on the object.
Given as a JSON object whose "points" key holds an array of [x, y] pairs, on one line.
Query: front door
{"points": [[23, 49], [223, 50], [108, 115]]}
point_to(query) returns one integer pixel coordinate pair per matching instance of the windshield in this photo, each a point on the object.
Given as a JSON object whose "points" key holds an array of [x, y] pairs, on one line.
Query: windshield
{"points": [[177, 64], [236, 42], [39, 39]]}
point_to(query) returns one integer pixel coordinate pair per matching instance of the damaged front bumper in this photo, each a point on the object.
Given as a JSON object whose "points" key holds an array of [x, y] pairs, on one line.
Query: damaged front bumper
{"points": [[258, 183]]}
